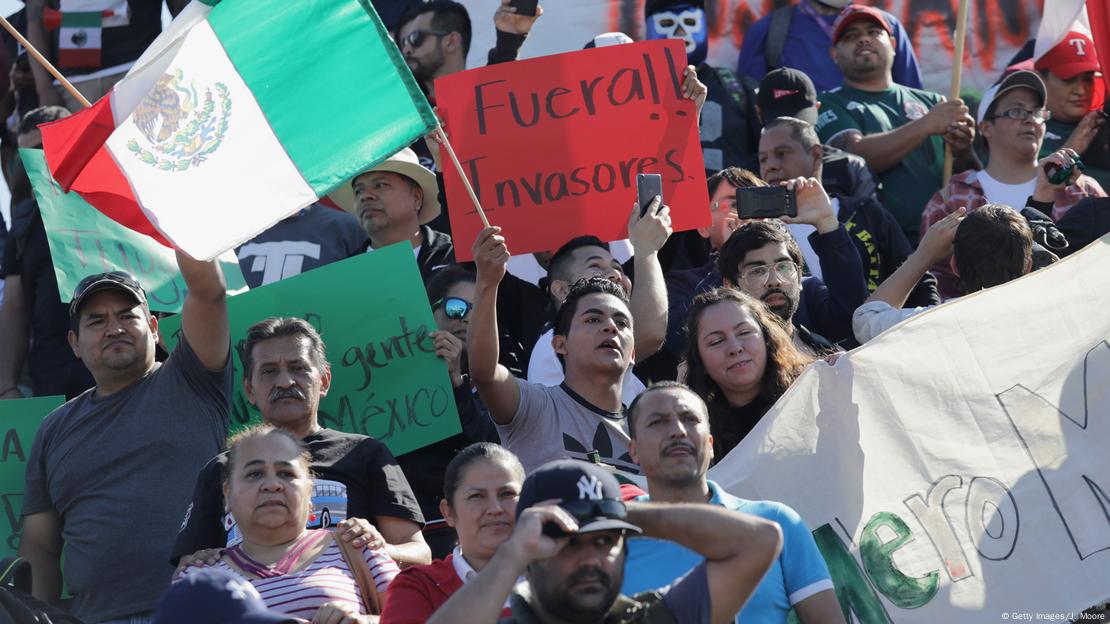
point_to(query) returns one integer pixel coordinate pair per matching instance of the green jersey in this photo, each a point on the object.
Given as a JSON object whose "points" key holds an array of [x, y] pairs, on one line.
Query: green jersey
{"points": [[908, 186], [1056, 133]]}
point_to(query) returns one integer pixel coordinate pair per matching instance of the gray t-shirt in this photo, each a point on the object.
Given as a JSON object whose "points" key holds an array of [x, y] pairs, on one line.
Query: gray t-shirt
{"points": [[555, 423], [119, 470]]}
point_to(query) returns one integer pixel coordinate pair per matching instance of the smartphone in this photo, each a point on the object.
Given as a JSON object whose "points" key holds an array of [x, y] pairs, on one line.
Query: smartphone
{"points": [[524, 7], [765, 202], [648, 186]]}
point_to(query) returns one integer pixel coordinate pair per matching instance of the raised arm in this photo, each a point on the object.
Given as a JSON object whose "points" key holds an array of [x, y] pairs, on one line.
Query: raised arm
{"points": [[41, 545], [495, 383], [738, 548], [204, 314], [648, 302], [935, 246], [885, 150], [36, 34], [14, 323]]}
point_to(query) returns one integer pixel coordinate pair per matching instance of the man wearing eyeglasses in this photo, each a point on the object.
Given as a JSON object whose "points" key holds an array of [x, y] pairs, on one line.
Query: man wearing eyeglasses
{"points": [[762, 259], [1011, 119], [570, 538]]}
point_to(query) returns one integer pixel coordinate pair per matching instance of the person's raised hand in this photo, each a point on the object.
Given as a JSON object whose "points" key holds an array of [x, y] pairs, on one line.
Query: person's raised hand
{"points": [[506, 20], [1045, 190], [694, 89], [200, 559], [1085, 132], [491, 255], [936, 245], [960, 135], [339, 613], [434, 140], [649, 232], [946, 115], [358, 532], [528, 542], [450, 348], [814, 207]]}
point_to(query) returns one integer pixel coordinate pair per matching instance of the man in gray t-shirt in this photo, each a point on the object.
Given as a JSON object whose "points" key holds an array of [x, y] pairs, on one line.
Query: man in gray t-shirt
{"points": [[110, 471], [594, 338]]}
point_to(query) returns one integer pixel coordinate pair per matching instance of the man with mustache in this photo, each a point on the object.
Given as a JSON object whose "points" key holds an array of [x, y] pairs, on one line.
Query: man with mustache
{"points": [[110, 470], [899, 131], [762, 259], [671, 441], [285, 374], [570, 537]]}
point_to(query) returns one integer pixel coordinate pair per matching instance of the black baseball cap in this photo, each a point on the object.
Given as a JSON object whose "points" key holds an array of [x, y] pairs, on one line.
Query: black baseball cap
{"points": [[112, 280], [587, 492], [786, 92]]}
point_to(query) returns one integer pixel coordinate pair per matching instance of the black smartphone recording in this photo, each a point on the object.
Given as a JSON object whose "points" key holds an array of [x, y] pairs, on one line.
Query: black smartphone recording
{"points": [[524, 7], [648, 186], [765, 202]]}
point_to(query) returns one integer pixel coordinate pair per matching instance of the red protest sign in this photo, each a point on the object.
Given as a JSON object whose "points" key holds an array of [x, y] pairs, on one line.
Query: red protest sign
{"points": [[552, 145]]}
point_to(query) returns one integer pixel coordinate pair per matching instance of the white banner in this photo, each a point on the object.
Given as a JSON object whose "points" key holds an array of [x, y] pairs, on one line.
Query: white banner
{"points": [[955, 469], [996, 30]]}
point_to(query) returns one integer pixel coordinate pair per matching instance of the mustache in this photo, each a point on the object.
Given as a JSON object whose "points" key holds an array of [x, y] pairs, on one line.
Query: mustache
{"points": [[590, 575], [775, 291], [287, 393], [679, 444]]}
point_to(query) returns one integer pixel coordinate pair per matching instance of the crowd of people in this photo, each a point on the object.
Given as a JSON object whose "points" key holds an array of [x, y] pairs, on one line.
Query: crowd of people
{"points": [[596, 383]]}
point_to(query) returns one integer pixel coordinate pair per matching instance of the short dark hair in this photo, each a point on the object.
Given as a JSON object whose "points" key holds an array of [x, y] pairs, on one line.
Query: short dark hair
{"points": [[559, 266], [486, 451], [43, 114], [578, 290], [800, 130], [737, 177], [448, 16], [752, 236], [444, 279], [280, 327], [255, 432], [666, 384], [993, 245]]}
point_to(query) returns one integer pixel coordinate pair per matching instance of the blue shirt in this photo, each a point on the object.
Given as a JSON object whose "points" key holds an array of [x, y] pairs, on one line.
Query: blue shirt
{"points": [[807, 50], [798, 573]]}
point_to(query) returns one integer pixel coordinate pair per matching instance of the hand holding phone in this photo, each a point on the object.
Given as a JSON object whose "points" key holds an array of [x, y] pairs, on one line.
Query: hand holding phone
{"points": [[648, 187], [524, 7]]}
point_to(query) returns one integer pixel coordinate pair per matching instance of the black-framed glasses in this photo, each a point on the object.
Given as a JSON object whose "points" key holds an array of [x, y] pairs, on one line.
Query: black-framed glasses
{"points": [[758, 275], [590, 509], [454, 307], [1018, 113], [416, 38]]}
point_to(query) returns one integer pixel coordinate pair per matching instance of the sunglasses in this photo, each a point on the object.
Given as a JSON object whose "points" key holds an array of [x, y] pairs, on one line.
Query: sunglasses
{"points": [[416, 38], [454, 307]]}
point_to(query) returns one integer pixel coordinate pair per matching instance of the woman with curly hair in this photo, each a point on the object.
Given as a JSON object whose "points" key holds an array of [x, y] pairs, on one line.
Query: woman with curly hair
{"points": [[740, 360]]}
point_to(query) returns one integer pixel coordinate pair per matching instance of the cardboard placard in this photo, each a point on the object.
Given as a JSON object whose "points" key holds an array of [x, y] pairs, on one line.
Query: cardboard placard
{"points": [[552, 145]]}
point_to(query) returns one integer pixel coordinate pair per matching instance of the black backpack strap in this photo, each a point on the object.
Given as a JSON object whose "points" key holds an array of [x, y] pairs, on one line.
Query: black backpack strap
{"points": [[16, 572], [776, 36], [731, 83]]}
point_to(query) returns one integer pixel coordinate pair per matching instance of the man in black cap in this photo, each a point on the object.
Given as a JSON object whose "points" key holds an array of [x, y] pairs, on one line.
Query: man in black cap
{"points": [[570, 538], [787, 92], [111, 470]]}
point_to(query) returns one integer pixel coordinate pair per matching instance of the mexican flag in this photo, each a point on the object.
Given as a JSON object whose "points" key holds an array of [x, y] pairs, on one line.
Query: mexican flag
{"points": [[240, 114]]}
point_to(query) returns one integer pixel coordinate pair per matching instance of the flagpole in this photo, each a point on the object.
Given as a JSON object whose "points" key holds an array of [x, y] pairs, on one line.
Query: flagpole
{"points": [[458, 167], [957, 69], [42, 61]]}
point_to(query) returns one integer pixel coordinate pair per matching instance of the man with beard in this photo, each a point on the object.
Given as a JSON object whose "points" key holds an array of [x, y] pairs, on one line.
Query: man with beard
{"points": [[671, 441], [728, 122], [285, 374], [109, 471], [570, 537], [899, 131], [762, 259]]}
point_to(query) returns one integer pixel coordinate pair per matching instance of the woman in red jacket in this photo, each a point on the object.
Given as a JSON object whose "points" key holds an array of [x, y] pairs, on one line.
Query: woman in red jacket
{"points": [[481, 487]]}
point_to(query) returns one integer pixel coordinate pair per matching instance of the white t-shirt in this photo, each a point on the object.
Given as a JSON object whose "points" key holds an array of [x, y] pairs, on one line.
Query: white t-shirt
{"points": [[1012, 195], [801, 233], [544, 368]]}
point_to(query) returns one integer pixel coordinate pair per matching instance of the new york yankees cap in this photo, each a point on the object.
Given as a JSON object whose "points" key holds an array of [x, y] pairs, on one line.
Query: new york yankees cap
{"points": [[587, 492]]}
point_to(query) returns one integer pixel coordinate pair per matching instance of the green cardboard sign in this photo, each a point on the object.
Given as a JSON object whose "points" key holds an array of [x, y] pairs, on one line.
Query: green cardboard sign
{"points": [[21, 419], [84, 241], [373, 314]]}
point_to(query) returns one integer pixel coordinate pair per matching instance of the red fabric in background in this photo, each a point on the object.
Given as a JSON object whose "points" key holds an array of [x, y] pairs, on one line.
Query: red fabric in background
{"points": [[568, 133], [1098, 14]]}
